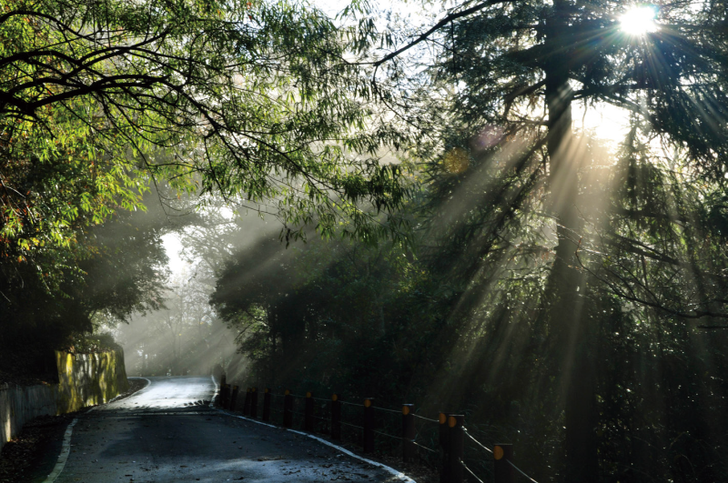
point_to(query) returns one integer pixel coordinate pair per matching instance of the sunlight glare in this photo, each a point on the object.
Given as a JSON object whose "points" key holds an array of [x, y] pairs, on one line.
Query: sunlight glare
{"points": [[639, 20], [173, 247]]}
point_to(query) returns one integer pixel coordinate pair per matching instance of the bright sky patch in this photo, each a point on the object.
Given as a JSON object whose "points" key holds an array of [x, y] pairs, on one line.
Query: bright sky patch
{"points": [[639, 20]]}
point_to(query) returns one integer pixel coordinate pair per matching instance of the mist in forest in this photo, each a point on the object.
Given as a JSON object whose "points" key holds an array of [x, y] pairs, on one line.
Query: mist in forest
{"points": [[186, 336]]}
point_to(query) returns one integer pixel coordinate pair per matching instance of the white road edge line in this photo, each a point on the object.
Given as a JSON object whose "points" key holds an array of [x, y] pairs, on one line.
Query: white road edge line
{"points": [[397, 474], [65, 452], [66, 446]]}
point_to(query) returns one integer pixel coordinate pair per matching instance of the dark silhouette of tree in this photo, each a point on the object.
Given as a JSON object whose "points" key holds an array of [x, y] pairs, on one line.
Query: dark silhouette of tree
{"points": [[508, 74]]}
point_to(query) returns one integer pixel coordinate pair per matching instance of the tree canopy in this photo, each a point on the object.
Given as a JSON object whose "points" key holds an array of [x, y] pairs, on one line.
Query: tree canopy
{"points": [[514, 180], [251, 100], [571, 272], [104, 102]]}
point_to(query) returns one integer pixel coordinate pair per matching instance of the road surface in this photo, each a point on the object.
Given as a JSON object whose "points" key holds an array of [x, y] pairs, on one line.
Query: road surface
{"points": [[168, 433]]}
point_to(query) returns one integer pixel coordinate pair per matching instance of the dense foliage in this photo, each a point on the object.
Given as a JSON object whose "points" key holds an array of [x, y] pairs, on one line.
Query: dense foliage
{"points": [[101, 102], [117, 268], [564, 281]]}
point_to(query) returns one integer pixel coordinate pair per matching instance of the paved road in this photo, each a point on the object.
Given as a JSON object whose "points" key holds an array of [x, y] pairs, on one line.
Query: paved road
{"points": [[168, 433]]}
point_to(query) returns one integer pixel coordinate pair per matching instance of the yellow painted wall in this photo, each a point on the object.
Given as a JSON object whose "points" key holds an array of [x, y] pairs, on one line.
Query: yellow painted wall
{"points": [[84, 380], [89, 379]]}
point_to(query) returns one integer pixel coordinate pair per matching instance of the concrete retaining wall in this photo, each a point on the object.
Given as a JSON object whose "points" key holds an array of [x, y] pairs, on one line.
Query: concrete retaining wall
{"points": [[84, 380]]}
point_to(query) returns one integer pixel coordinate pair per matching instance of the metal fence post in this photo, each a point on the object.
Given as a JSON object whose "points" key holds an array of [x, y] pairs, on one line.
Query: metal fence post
{"points": [[287, 409], [308, 413], [266, 405], [408, 433], [455, 423], [253, 402], [445, 447], [503, 472], [335, 417], [368, 425]]}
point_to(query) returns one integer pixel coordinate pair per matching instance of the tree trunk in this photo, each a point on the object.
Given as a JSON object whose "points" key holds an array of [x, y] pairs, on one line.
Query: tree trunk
{"points": [[566, 317]]}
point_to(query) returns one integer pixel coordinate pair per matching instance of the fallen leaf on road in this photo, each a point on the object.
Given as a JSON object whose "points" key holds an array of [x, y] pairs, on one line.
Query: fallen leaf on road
{"points": [[270, 458]]}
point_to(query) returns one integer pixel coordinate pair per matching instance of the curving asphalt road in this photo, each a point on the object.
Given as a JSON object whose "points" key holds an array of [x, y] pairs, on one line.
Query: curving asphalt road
{"points": [[168, 433]]}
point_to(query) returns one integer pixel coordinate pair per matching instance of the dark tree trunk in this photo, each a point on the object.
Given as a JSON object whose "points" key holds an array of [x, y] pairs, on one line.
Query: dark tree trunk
{"points": [[566, 314]]}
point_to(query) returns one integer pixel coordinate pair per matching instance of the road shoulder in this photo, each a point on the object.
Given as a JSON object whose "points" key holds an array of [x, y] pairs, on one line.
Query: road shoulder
{"points": [[33, 454]]}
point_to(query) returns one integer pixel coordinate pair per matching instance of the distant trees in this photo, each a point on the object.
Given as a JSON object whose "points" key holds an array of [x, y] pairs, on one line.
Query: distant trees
{"points": [[323, 312], [183, 337]]}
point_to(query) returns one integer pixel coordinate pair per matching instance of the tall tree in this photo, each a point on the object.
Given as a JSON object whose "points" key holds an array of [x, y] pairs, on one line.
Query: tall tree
{"points": [[513, 71]]}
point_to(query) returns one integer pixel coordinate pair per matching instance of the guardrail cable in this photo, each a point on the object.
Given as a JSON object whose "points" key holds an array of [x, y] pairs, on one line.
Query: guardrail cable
{"points": [[346, 403], [344, 423], [394, 411], [477, 442], [425, 447], [471, 472], [426, 419], [521, 471], [377, 408], [399, 438]]}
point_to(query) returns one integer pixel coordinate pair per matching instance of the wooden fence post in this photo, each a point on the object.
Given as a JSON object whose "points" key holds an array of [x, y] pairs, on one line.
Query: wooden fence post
{"points": [[246, 405], [234, 397], [266, 405], [224, 395], [308, 413], [335, 417], [503, 472], [455, 423], [254, 402], [287, 409], [368, 425], [445, 447], [409, 451]]}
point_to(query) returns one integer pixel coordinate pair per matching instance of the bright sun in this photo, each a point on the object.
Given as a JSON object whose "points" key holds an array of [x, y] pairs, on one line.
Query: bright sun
{"points": [[639, 20]]}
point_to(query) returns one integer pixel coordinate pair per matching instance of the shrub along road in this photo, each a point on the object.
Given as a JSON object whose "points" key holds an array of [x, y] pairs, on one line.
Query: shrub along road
{"points": [[168, 433]]}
